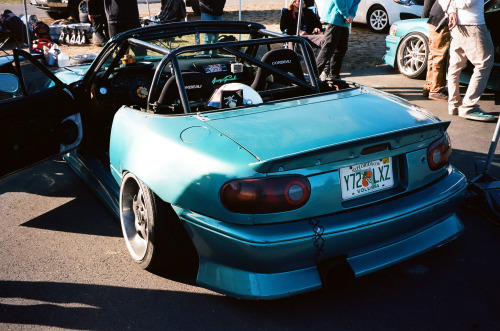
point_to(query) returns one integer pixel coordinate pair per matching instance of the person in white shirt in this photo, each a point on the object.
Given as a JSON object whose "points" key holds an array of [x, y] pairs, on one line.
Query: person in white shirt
{"points": [[471, 40]]}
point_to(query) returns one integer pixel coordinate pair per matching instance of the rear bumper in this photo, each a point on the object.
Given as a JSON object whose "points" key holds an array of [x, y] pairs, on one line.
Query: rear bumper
{"points": [[278, 260]]}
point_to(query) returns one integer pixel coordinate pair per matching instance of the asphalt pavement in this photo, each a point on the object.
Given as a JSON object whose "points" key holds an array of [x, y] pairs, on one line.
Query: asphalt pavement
{"points": [[64, 263]]}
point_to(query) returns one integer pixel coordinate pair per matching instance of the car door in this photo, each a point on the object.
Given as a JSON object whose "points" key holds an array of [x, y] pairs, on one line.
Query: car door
{"points": [[39, 117]]}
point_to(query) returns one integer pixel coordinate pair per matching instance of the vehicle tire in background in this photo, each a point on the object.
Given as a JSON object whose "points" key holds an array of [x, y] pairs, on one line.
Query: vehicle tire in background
{"points": [[153, 233], [83, 12], [412, 55], [74, 9], [377, 19], [58, 15]]}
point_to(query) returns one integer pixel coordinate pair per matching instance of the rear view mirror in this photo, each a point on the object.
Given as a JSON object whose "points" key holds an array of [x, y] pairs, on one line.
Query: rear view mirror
{"points": [[9, 86]]}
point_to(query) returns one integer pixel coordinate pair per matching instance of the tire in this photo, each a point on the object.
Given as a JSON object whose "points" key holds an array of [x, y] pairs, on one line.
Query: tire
{"points": [[154, 236], [83, 12], [74, 9], [412, 55], [58, 15], [377, 19], [195, 6]]}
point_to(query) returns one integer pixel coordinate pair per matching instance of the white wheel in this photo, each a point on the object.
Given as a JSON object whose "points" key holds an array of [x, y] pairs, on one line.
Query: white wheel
{"points": [[153, 234], [378, 20], [412, 55]]}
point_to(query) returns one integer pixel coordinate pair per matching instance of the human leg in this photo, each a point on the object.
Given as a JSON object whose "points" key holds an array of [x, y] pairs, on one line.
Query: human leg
{"points": [[439, 43], [330, 44], [480, 53], [458, 60], [341, 49], [430, 72]]}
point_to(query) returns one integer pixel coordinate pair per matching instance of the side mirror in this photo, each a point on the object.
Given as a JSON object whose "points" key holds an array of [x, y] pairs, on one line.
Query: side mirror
{"points": [[9, 86]]}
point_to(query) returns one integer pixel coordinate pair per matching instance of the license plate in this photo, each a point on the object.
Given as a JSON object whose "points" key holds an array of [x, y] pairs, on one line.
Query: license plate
{"points": [[366, 178]]}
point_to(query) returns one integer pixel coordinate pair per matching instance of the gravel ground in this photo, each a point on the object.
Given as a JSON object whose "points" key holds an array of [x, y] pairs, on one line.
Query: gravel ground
{"points": [[365, 47]]}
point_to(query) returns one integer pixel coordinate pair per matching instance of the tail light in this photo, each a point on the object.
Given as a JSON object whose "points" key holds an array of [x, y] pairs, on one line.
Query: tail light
{"points": [[266, 195], [439, 152]]}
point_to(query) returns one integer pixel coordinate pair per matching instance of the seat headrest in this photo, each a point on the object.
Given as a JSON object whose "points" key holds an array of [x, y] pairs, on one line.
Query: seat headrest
{"points": [[283, 59], [198, 86]]}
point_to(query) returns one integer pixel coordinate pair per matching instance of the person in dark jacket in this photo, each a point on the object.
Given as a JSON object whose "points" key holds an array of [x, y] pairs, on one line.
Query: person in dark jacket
{"points": [[212, 10], [310, 25], [172, 11], [97, 17], [10, 23], [121, 15], [439, 44]]}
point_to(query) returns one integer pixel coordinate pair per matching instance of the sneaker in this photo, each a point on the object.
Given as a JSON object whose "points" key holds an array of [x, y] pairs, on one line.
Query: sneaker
{"points": [[425, 92], [476, 114], [439, 96], [323, 76], [453, 111]]}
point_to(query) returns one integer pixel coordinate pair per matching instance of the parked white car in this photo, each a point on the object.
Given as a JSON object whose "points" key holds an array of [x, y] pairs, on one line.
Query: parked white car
{"points": [[380, 14]]}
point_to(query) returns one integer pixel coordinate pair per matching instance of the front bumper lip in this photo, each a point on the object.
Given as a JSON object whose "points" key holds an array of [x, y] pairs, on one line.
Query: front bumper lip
{"points": [[392, 44], [277, 260]]}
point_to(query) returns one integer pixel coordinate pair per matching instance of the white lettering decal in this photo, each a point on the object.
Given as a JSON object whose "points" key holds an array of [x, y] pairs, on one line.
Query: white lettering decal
{"points": [[281, 62]]}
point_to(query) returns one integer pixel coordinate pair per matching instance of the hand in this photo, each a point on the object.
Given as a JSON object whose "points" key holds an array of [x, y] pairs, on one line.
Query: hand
{"points": [[348, 20], [452, 20], [91, 18], [316, 31], [302, 33]]}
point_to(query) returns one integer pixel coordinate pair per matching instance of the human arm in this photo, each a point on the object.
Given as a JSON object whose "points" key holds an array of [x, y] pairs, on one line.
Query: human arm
{"points": [[342, 8], [354, 9]]}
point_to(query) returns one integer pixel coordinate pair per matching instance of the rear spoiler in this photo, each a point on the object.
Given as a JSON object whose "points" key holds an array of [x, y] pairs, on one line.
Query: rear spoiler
{"points": [[350, 149]]}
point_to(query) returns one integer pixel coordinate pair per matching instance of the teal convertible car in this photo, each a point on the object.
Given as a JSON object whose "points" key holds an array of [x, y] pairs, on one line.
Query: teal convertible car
{"points": [[233, 161]]}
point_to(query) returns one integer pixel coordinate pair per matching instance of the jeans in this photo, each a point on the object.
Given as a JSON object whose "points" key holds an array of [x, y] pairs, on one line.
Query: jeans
{"points": [[210, 38]]}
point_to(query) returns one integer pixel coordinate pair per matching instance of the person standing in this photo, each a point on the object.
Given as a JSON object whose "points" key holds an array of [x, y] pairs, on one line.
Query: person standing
{"points": [[121, 15], [172, 11], [338, 14], [439, 44], [10, 23], [97, 17], [212, 10], [310, 28], [471, 41]]}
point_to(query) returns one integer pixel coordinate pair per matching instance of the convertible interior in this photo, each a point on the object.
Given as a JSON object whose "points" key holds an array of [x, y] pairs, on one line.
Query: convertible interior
{"points": [[154, 77]]}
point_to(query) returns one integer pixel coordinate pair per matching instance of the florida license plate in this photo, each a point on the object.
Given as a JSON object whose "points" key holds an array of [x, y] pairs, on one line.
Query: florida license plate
{"points": [[366, 178]]}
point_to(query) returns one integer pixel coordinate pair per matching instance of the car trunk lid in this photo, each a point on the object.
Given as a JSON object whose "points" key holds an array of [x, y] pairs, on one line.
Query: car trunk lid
{"points": [[296, 133]]}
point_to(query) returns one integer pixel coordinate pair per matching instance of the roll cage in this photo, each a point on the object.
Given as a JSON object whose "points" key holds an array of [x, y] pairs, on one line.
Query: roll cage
{"points": [[141, 37]]}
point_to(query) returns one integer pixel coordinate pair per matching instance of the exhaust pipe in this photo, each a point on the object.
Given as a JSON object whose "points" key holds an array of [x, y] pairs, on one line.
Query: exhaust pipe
{"points": [[336, 274]]}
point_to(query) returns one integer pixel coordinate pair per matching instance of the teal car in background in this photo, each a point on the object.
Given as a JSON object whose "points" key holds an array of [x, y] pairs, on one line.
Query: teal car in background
{"points": [[233, 162], [408, 47]]}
